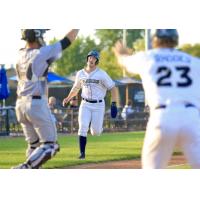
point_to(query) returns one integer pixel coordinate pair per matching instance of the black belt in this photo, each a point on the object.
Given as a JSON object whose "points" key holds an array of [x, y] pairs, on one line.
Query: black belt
{"points": [[36, 97], [92, 101], [187, 105]]}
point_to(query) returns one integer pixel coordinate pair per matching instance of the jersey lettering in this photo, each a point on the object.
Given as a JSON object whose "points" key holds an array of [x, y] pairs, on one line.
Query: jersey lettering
{"points": [[92, 81], [172, 58]]}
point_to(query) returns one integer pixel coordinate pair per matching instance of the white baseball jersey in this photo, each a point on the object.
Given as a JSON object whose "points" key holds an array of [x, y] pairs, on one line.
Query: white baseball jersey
{"points": [[171, 80], [94, 85], [168, 75]]}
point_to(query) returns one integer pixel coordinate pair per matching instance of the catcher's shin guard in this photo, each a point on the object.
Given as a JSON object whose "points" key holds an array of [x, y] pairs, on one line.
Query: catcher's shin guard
{"points": [[41, 154], [31, 147]]}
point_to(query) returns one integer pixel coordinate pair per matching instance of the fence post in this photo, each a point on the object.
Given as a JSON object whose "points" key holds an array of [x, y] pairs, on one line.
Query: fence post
{"points": [[72, 121], [7, 122]]}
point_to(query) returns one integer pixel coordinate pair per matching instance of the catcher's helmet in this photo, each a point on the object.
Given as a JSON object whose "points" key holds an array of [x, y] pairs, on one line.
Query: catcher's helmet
{"points": [[34, 35], [166, 33], [95, 54]]}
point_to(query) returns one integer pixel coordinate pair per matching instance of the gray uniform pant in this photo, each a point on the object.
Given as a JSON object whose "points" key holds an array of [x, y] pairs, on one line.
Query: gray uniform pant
{"points": [[36, 120]]}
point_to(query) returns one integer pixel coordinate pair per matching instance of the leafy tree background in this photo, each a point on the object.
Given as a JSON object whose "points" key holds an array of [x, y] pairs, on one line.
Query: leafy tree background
{"points": [[108, 37], [74, 57], [191, 49]]}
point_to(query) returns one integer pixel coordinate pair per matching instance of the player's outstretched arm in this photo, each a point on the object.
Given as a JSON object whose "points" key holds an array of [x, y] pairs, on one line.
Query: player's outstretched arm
{"points": [[126, 59], [71, 35], [69, 97], [74, 91], [69, 38], [114, 94], [120, 52]]}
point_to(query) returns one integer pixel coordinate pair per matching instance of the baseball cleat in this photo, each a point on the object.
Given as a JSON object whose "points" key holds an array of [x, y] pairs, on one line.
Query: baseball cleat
{"points": [[82, 157], [22, 166]]}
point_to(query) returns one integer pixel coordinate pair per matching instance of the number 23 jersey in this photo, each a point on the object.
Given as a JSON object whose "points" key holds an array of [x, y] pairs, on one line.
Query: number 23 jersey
{"points": [[168, 75]]}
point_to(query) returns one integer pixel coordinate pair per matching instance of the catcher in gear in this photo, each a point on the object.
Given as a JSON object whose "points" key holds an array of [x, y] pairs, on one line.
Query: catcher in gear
{"points": [[32, 108], [94, 83]]}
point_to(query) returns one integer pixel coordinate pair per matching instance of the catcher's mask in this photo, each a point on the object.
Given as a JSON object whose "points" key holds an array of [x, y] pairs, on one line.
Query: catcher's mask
{"points": [[34, 35], [95, 54]]}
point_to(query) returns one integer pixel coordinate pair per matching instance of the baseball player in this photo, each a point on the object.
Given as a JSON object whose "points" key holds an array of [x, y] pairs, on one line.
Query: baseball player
{"points": [[32, 107], [94, 83], [171, 82]]}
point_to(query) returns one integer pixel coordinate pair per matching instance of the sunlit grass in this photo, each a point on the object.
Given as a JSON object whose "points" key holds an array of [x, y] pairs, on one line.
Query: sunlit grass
{"points": [[109, 146]]}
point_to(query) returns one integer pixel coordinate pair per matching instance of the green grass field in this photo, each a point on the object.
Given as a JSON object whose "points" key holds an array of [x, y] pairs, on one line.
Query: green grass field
{"points": [[109, 146]]}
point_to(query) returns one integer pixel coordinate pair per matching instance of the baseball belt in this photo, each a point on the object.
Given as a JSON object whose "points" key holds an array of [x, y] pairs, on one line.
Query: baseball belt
{"points": [[92, 101], [187, 105]]}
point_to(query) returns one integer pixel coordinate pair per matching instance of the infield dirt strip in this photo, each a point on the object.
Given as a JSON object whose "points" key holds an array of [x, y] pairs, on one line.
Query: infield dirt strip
{"points": [[125, 164]]}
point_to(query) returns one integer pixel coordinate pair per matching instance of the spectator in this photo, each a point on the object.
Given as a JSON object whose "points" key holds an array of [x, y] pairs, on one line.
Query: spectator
{"points": [[127, 110], [146, 109], [52, 102], [52, 105]]}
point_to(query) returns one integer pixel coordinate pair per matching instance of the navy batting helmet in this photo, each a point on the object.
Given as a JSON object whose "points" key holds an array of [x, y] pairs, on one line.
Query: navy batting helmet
{"points": [[166, 33], [95, 54], [34, 35]]}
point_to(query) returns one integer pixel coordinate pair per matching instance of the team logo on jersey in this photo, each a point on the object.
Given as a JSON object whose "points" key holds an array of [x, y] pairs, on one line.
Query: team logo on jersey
{"points": [[92, 81], [87, 81]]}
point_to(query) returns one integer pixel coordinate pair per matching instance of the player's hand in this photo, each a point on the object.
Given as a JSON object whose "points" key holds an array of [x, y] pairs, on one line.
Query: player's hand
{"points": [[65, 102], [72, 34], [119, 49], [113, 110]]}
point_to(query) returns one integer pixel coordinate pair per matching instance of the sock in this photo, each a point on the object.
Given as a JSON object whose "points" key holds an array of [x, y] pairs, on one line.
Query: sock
{"points": [[82, 144]]}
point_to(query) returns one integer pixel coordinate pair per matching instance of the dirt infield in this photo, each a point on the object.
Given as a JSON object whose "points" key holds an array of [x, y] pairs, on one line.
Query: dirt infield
{"points": [[126, 164]]}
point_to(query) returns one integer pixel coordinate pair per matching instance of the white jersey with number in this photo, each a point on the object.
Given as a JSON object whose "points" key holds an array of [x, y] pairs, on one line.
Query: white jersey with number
{"points": [[94, 85], [168, 76], [171, 80]]}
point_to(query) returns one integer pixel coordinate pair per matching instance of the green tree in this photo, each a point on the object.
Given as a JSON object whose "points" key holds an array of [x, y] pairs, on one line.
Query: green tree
{"points": [[191, 49], [108, 37], [74, 57], [139, 45], [108, 62]]}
